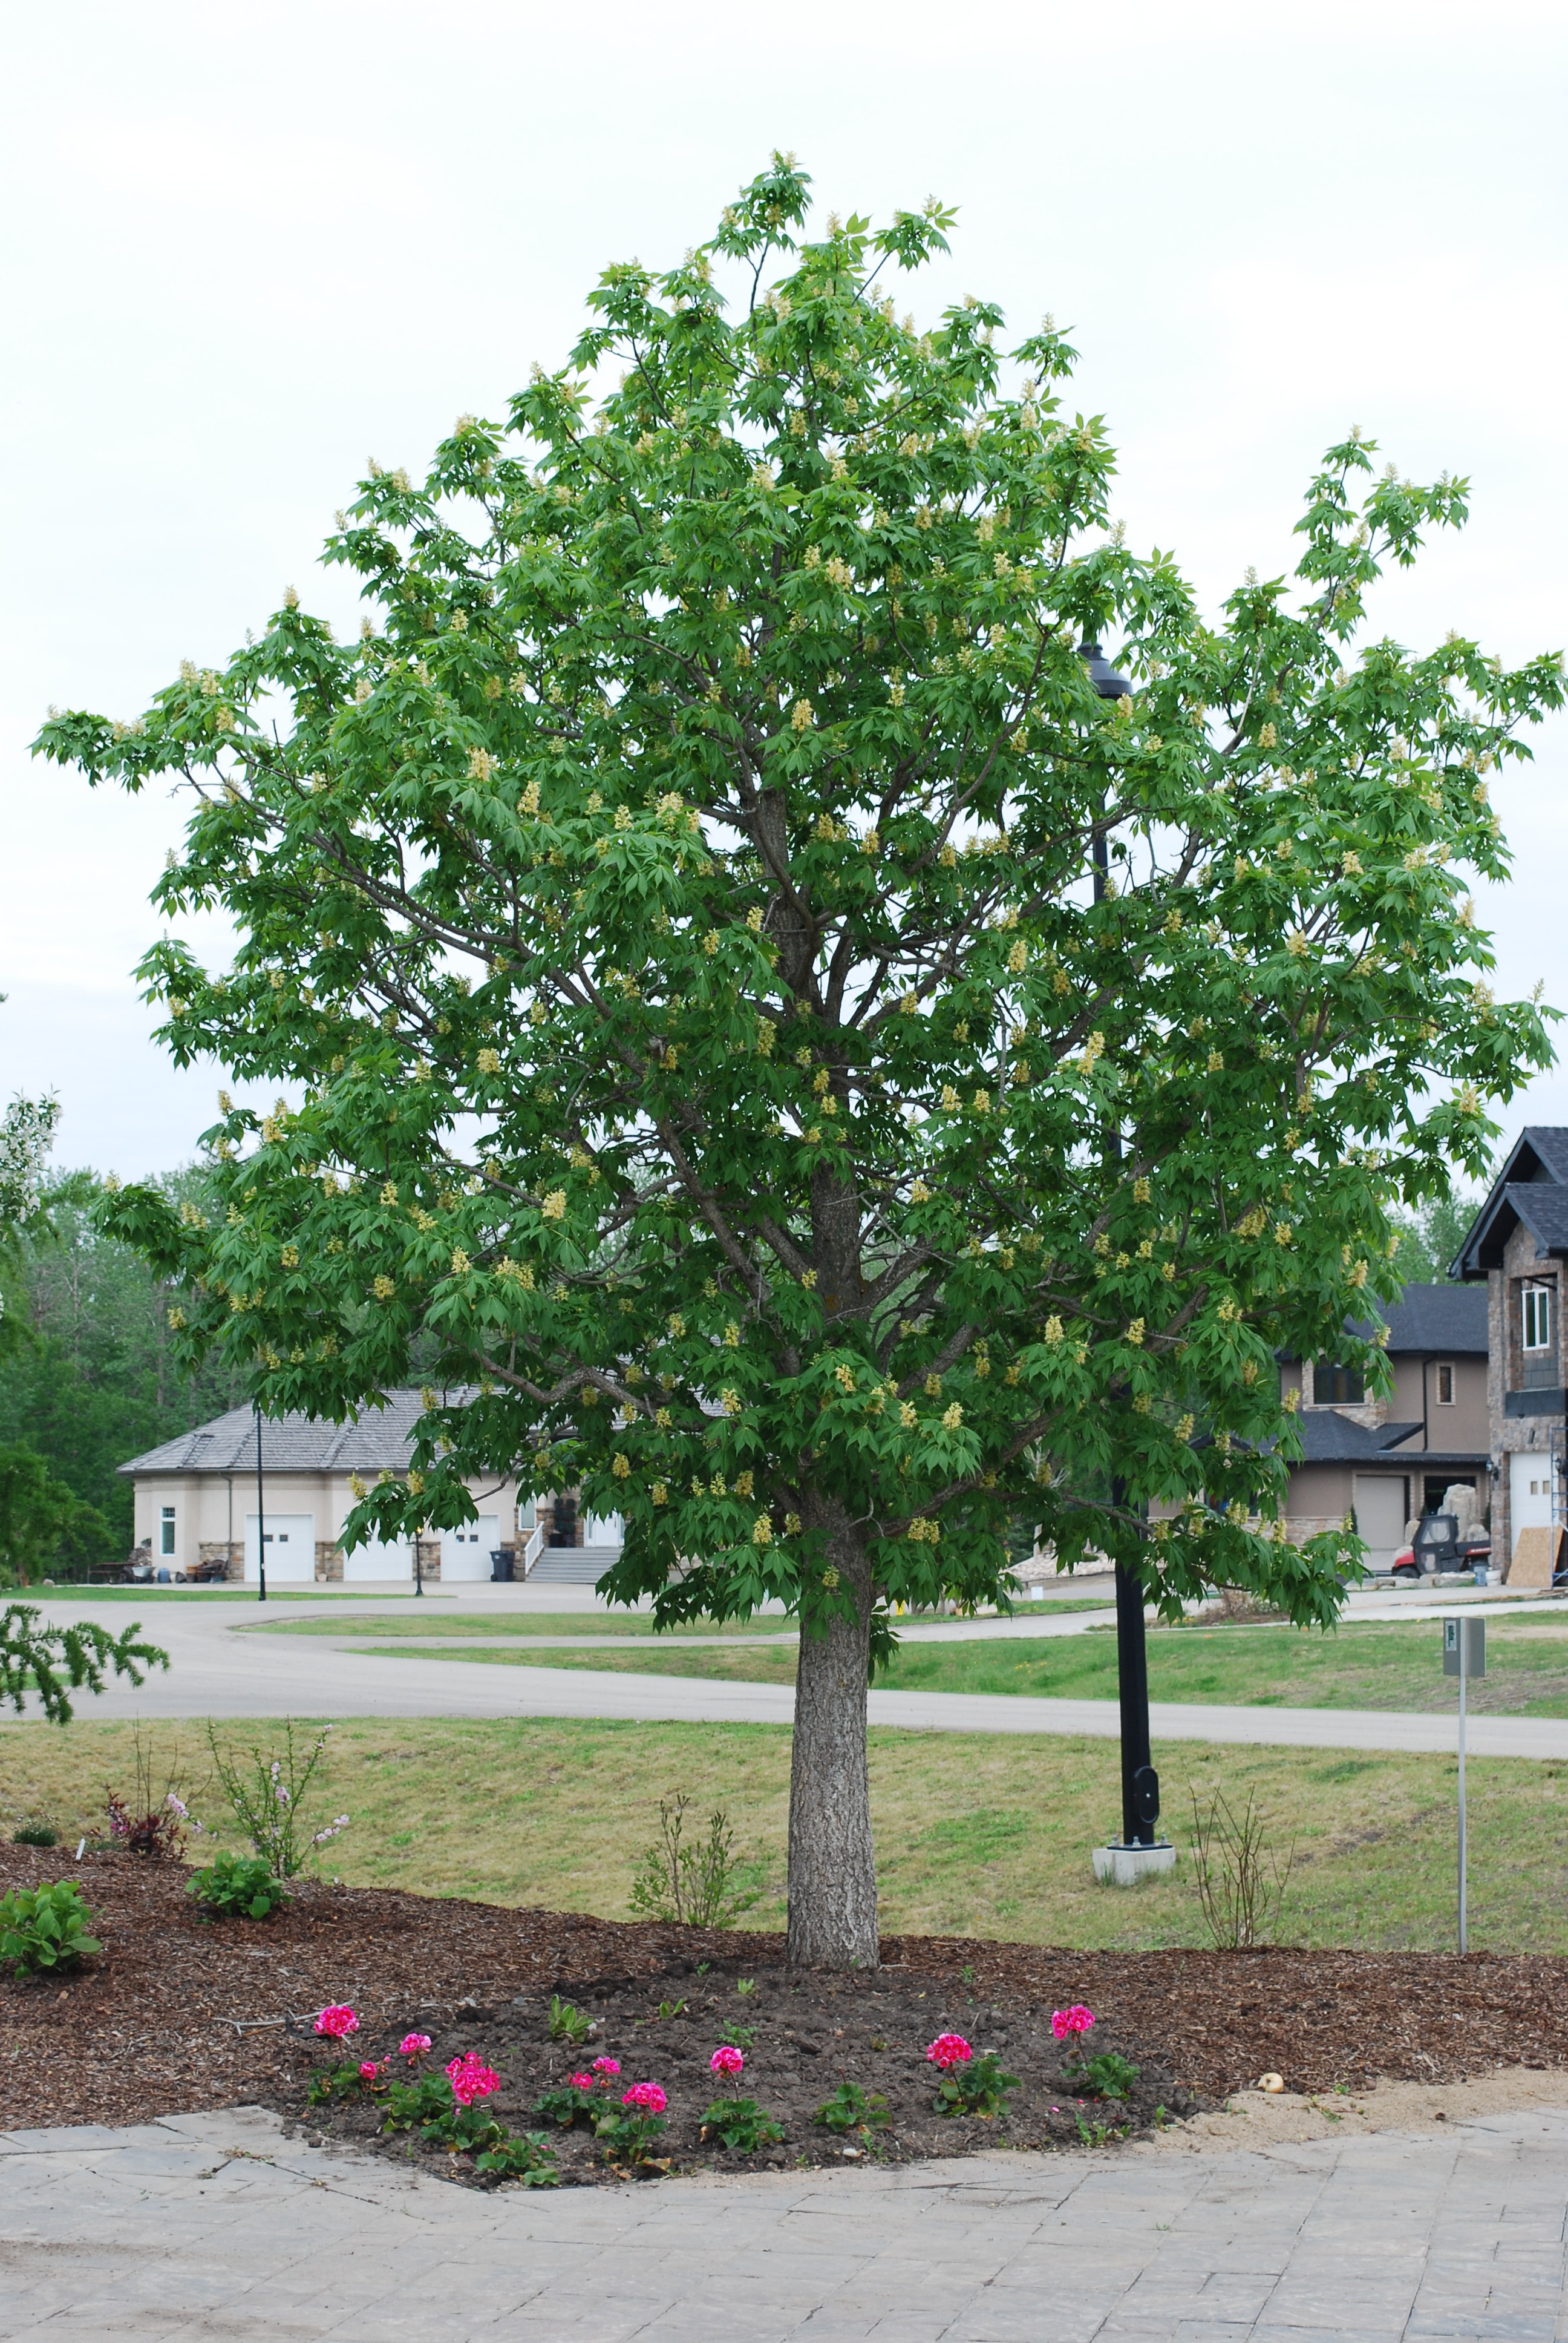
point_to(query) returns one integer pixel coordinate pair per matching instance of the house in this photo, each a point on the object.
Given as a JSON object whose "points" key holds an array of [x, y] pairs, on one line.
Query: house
{"points": [[196, 1502], [1517, 1244], [1388, 1460]]}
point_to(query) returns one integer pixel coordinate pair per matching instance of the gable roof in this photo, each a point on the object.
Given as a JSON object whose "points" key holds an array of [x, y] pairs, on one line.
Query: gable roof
{"points": [[1531, 1188], [377, 1439], [1447, 1318], [1330, 1438]]}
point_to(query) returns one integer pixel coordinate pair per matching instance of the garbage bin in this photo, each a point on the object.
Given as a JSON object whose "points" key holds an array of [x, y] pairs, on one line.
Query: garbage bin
{"points": [[501, 1562]]}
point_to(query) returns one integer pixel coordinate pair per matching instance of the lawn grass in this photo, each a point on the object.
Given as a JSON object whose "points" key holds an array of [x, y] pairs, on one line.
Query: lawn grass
{"points": [[489, 1624], [976, 1834], [1372, 1666]]}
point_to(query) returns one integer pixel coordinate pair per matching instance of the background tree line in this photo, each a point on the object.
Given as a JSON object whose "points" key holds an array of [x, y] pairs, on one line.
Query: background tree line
{"points": [[87, 1380]]}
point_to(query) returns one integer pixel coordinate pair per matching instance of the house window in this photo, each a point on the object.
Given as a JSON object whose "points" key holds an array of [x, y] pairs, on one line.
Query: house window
{"points": [[1537, 1301], [166, 1531], [1445, 1382], [1337, 1386]]}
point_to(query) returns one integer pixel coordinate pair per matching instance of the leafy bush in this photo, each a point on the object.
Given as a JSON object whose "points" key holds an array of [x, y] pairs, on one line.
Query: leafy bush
{"points": [[268, 1801], [34, 1830], [43, 1928], [693, 1885], [1107, 2075], [424, 2100], [240, 1886], [741, 2125], [153, 1821], [625, 2140], [975, 2087], [520, 2156], [852, 2110]]}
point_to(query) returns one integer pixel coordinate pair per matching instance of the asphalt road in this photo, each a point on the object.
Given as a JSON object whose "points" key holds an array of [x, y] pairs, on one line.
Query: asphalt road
{"points": [[220, 1665]]}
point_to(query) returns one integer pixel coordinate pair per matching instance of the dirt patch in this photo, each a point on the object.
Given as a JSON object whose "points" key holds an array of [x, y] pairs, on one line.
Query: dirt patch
{"points": [[1261, 2120], [178, 2014]]}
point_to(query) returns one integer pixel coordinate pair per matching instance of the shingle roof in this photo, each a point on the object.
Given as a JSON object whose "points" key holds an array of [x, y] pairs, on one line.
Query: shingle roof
{"points": [[379, 1440], [1330, 1438], [1447, 1318], [1525, 1189]]}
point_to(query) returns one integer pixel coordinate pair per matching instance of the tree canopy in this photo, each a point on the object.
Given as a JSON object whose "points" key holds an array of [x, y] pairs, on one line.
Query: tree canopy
{"points": [[814, 1070]]}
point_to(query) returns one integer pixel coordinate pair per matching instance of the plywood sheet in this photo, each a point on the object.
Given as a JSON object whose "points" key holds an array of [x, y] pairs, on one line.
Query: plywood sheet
{"points": [[1536, 1552]]}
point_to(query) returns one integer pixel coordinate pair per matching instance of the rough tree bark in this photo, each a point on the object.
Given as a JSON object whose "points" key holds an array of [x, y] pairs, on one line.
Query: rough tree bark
{"points": [[832, 1862]]}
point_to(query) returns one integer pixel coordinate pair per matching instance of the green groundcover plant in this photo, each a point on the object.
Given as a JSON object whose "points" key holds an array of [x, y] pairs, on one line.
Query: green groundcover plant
{"points": [[46, 1928], [240, 1886], [792, 1048]]}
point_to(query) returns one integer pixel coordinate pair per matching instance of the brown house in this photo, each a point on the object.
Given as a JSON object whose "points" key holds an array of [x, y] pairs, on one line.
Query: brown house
{"points": [[1389, 1460], [1518, 1244]]}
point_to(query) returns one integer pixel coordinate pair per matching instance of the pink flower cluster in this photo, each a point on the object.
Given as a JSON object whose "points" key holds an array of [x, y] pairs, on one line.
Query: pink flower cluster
{"points": [[337, 2020], [647, 2098], [1076, 2020], [726, 2060], [369, 2068], [606, 2068], [949, 2050], [580, 2082], [412, 2043], [471, 2078]]}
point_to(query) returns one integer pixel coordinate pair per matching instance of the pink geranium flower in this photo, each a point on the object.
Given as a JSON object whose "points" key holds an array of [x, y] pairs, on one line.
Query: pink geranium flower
{"points": [[471, 2078], [647, 2098], [1076, 2020], [580, 2082], [949, 2050], [726, 2060], [337, 2020], [412, 2043], [370, 2068]]}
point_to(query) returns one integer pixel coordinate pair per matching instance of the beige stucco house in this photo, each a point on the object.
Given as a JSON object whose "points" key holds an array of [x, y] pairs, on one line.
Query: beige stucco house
{"points": [[1389, 1460], [196, 1502]]}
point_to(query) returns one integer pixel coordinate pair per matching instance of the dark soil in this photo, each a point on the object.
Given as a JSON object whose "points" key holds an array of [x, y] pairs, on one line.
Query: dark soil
{"points": [[178, 2014]]}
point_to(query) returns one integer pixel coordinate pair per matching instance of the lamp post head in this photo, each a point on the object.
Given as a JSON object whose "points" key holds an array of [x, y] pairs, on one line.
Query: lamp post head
{"points": [[1102, 674]]}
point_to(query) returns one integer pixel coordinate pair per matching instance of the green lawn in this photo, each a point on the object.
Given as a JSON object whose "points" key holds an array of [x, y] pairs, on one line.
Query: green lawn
{"points": [[1356, 1666], [976, 1832], [488, 1625]]}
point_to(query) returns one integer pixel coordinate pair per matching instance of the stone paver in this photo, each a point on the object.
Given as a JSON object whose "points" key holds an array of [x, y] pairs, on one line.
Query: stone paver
{"points": [[215, 2225]]}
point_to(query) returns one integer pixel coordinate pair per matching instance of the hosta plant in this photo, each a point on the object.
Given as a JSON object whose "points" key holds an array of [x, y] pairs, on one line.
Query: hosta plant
{"points": [[240, 1886], [44, 1928]]}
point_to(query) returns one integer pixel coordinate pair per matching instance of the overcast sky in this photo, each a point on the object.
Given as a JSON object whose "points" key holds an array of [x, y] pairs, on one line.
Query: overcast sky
{"points": [[250, 248]]}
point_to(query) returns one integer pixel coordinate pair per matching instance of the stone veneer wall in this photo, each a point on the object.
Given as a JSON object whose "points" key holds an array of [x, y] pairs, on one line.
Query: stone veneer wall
{"points": [[1514, 1436]]}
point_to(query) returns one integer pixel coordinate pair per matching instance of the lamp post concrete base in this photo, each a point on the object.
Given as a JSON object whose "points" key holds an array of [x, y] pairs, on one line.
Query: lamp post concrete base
{"points": [[1124, 1866]]}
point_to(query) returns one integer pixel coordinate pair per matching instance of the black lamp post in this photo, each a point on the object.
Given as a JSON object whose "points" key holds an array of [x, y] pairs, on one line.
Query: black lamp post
{"points": [[1140, 1782]]}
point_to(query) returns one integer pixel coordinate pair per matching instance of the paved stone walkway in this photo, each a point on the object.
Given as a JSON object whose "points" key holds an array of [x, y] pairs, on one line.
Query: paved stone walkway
{"points": [[214, 2226]]}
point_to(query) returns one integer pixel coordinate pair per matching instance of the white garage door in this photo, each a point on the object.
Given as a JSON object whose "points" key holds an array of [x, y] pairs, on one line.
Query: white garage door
{"points": [[378, 1558], [1380, 1503], [465, 1552], [1529, 1493], [290, 1550]]}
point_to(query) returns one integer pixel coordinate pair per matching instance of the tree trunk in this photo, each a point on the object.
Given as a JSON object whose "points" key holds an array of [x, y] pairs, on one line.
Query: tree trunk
{"points": [[832, 1863]]}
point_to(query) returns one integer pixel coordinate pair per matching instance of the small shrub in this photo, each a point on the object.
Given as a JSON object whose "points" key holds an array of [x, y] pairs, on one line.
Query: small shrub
{"points": [[852, 2110], [575, 2096], [423, 2100], [524, 2157], [969, 2085], [155, 1819], [34, 1830], [567, 2024], [1241, 1881], [268, 1801], [240, 1886], [693, 1885], [44, 1928], [1107, 2075], [624, 2137], [741, 2125], [329, 2083]]}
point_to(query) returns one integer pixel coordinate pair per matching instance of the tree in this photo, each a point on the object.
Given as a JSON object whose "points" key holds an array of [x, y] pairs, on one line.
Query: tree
{"points": [[822, 1077], [56, 1660], [36, 1513], [1429, 1240], [93, 1377]]}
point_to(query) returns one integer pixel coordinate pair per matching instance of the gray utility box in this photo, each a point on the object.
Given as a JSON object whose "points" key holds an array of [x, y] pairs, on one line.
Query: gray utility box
{"points": [[1464, 1648]]}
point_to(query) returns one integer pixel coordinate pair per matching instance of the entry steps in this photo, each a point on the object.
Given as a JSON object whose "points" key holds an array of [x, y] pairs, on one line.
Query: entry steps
{"points": [[572, 1565]]}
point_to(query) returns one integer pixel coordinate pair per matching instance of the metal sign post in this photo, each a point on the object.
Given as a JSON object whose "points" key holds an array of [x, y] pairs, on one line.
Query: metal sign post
{"points": [[260, 1513], [1463, 1655]]}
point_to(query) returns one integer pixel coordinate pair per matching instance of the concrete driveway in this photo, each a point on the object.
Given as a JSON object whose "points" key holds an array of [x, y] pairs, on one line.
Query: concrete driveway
{"points": [[220, 1665]]}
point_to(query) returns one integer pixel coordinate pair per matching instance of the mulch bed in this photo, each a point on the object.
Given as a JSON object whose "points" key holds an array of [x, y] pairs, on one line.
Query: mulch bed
{"points": [[179, 2014]]}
